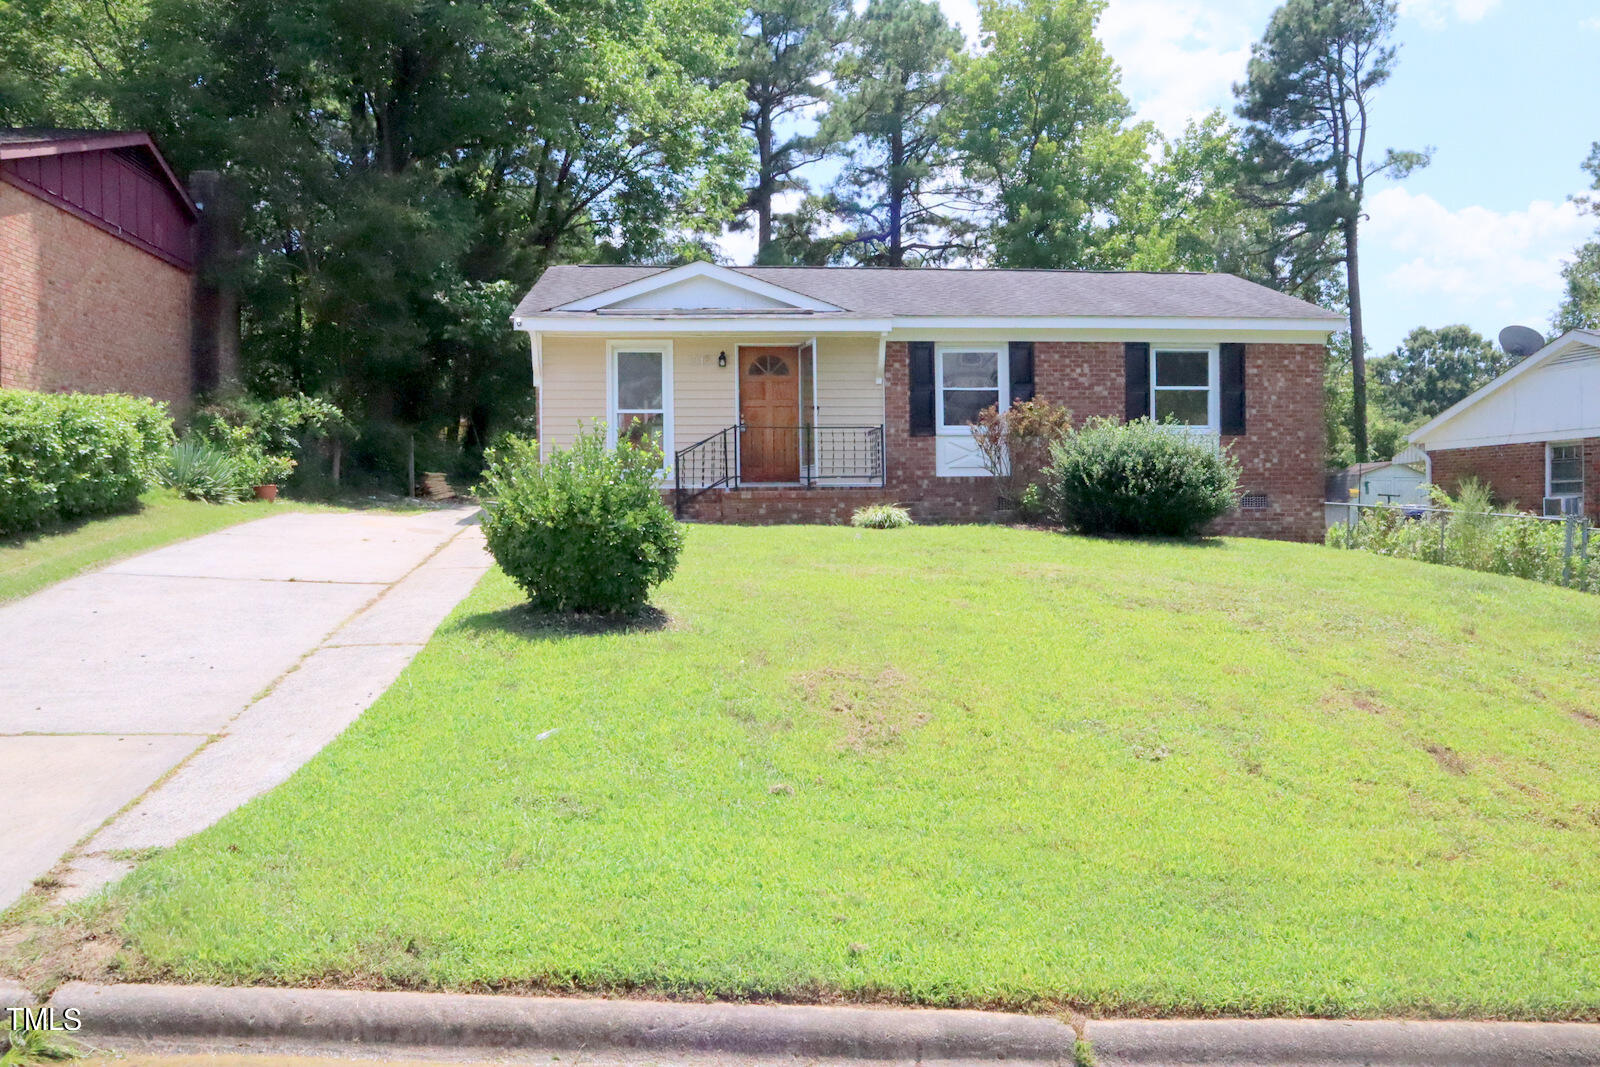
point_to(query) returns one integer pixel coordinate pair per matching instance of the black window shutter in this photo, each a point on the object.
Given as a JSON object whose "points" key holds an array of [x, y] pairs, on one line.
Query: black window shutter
{"points": [[1136, 396], [1021, 359], [921, 361], [1231, 371]]}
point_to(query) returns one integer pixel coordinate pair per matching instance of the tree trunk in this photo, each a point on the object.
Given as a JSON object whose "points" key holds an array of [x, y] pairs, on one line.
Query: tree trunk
{"points": [[763, 182], [897, 195], [1358, 339]]}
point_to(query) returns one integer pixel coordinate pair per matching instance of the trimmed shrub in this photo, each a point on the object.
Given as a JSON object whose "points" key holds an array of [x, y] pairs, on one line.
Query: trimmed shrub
{"points": [[68, 455], [585, 531], [1139, 478], [200, 470], [881, 517]]}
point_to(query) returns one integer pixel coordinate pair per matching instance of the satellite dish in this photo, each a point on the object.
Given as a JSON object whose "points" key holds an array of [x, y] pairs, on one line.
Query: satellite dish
{"points": [[1521, 341]]}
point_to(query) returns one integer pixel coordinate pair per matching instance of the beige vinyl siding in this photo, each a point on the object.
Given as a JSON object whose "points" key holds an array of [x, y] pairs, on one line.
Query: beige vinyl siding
{"points": [[702, 392], [573, 391], [848, 393], [704, 397]]}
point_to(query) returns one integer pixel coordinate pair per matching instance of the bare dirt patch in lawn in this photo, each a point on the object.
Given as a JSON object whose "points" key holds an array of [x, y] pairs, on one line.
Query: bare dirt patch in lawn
{"points": [[1449, 759], [871, 708]]}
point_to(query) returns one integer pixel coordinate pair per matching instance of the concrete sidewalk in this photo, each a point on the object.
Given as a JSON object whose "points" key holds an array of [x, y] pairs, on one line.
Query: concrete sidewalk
{"points": [[233, 658]]}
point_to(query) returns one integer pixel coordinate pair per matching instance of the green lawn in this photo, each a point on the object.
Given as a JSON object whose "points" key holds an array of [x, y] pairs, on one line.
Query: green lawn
{"points": [[31, 561], [960, 765]]}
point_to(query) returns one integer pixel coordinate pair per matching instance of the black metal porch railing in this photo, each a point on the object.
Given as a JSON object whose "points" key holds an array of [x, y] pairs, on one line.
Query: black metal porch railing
{"points": [[704, 466], [827, 455], [846, 455]]}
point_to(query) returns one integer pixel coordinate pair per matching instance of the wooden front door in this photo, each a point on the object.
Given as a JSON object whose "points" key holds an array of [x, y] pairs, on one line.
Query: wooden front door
{"points": [[769, 414]]}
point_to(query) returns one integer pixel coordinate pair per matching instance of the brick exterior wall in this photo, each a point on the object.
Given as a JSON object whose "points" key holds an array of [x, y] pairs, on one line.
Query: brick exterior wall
{"points": [[1280, 454], [1515, 472], [1281, 451], [83, 311]]}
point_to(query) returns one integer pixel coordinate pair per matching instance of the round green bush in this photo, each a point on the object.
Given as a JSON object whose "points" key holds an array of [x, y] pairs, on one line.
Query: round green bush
{"points": [[1140, 479], [69, 455], [585, 531]]}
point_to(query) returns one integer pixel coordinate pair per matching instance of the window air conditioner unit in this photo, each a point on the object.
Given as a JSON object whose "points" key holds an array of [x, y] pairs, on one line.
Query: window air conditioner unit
{"points": [[1556, 506]]}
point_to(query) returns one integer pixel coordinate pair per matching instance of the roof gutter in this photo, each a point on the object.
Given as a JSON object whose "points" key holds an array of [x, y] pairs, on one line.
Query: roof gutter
{"points": [[678, 324], [580, 322]]}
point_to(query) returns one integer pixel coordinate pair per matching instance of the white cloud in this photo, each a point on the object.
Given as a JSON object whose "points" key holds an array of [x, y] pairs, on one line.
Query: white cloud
{"points": [[964, 13], [1433, 265], [1179, 61], [1591, 23], [1436, 14]]}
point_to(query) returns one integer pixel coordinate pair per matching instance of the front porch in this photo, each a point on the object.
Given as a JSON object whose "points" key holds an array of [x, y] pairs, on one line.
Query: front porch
{"points": [[770, 457], [773, 505]]}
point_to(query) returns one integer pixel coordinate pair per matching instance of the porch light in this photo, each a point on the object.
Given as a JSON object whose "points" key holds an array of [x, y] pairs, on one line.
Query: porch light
{"points": [[722, 359]]}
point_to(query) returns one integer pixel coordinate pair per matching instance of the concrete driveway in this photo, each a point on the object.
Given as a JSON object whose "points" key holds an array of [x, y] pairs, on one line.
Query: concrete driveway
{"points": [[215, 667]]}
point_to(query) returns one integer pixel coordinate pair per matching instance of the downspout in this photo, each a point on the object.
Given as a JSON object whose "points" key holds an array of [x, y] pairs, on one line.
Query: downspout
{"points": [[536, 362]]}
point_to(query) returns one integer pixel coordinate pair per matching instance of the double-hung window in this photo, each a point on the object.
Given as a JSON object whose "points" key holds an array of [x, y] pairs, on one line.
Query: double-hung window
{"points": [[640, 386], [1183, 387], [970, 378], [1564, 470]]}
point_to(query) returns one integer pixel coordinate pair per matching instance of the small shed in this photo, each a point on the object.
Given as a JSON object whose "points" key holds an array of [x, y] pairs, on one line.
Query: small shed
{"points": [[1400, 481]]}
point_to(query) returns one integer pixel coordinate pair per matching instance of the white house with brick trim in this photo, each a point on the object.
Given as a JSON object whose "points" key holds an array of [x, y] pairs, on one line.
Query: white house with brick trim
{"points": [[791, 394], [1532, 434]]}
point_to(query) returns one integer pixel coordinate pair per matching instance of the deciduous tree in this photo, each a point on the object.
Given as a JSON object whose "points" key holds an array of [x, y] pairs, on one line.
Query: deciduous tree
{"points": [[1432, 369], [1188, 212], [410, 164], [1044, 132], [1580, 302]]}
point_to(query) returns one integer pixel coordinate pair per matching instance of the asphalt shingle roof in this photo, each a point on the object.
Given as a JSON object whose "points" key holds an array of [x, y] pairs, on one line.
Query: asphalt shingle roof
{"points": [[877, 291]]}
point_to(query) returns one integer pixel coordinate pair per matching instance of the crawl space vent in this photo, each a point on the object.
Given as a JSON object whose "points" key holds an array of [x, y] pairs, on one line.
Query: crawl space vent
{"points": [[1253, 502]]}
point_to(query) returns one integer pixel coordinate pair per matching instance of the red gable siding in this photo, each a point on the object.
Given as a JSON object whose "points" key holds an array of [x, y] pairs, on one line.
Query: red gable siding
{"points": [[109, 188]]}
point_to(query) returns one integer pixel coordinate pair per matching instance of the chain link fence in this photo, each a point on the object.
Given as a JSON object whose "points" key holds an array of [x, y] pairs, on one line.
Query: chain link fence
{"points": [[1545, 548]]}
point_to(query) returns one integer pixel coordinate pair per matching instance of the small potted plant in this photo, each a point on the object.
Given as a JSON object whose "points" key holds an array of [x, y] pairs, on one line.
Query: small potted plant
{"points": [[271, 470]]}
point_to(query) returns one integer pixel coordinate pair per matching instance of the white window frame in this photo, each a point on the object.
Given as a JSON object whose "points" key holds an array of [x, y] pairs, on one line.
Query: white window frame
{"points": [[1549, 465], [612, 418], [1213, 426], [1003, 380]]}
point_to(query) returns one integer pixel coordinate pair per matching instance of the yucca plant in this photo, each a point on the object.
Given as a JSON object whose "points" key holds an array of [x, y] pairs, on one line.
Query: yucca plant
{"points": [[199, 470], [881, 517]]}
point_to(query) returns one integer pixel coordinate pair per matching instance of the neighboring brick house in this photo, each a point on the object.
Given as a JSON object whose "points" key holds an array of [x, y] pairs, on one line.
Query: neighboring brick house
{"points": [[97, 268], [793, 394], [1532, 434]]}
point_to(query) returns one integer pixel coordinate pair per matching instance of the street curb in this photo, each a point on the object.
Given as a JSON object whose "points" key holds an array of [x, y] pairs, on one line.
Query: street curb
{"points": [[155, 1013], [14, 995], [1336, 1043]]}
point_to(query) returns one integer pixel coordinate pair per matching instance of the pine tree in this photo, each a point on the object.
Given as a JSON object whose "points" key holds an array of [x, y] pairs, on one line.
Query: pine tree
{"points": [[895, 194], [1308, 97], [784, 52]]}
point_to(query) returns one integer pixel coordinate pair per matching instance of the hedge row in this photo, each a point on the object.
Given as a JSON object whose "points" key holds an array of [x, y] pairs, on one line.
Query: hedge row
{"points": [[66, 455]]}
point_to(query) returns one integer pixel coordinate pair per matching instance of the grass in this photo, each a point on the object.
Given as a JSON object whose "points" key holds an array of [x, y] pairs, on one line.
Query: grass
{"points": [[962, 766]]}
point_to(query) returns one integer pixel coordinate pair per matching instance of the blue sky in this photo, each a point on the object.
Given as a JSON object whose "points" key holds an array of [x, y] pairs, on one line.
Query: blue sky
{"points": [[1504, 90]]}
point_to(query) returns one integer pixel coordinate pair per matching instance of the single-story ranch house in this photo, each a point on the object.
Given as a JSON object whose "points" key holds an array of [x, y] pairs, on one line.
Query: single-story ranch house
{"points": [[795, 394], [1533, 434]]}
